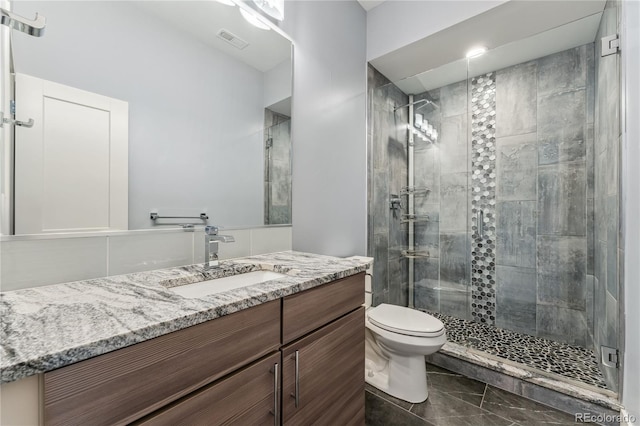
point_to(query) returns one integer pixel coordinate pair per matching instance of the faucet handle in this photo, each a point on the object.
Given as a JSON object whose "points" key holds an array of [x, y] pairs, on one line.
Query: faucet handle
{"points": [[211, 230]]}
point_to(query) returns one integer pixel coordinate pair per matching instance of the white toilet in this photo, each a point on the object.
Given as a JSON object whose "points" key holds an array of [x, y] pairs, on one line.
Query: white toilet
{"points": [[397, 339]]}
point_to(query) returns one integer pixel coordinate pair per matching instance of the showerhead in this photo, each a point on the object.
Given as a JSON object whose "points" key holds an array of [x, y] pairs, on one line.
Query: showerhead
{"points": [[425, 101], [426, 104]]}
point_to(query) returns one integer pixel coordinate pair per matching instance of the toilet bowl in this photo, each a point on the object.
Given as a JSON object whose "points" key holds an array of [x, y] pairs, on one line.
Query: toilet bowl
{"points": [[397, 339]]}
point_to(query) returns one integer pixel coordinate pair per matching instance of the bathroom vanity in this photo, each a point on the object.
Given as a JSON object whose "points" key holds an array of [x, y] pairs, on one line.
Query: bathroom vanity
{"points": [[287, 351]]}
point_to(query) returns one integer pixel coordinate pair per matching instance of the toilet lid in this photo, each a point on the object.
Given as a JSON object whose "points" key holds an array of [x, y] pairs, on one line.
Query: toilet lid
{"points": [[411, 322]]}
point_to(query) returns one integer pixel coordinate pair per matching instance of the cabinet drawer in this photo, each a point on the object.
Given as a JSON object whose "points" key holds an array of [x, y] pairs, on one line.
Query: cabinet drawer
{"points": [[248, 397], [311, 309], [124, 385], [330, 375]]}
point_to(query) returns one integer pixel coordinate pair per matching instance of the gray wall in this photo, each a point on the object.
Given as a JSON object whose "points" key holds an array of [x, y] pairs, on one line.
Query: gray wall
{"points": [[387, 170], [631, 197], [608, 235], [189, 105], [545, 127], [328, 126]]}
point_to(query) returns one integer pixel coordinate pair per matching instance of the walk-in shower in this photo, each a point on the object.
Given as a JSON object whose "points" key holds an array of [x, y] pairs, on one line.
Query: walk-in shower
{"points": [[494, 200], [277, 168]]}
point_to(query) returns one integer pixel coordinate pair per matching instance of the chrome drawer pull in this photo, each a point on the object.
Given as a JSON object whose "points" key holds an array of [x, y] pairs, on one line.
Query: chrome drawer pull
{"points": [[276, 395]]}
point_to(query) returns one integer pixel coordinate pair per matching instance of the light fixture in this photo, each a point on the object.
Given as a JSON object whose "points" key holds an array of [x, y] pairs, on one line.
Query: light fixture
{"points": [[476, 51], [273, 8], [226, 2], [253, 19]]}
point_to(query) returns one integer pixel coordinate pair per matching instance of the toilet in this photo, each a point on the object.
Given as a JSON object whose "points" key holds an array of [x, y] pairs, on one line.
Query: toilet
{"points": [[397, 339]]}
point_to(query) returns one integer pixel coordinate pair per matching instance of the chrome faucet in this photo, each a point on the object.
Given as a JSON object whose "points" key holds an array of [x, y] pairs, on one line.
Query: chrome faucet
{"points": [[211, 240]]}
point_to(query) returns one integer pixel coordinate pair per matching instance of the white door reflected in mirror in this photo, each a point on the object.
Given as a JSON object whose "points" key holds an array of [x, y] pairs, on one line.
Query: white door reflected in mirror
{"points": [[201, 112]]}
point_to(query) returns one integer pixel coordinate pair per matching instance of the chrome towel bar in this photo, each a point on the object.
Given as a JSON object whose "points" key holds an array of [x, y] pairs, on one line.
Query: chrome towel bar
{"points": [[156, 216]]}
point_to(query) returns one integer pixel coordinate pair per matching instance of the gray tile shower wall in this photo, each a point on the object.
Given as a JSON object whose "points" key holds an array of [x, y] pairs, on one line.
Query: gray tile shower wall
{"points": [[534, 180], [387, 140]]}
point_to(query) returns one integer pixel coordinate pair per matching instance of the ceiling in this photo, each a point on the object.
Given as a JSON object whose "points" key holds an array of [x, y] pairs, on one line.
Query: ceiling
{"points": [[515, 31], [555, 40], [203, 20], [370, 4]]}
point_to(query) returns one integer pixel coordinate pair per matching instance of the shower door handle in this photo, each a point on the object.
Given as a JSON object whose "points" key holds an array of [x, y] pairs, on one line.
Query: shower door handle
{"points": [[480, 224]]}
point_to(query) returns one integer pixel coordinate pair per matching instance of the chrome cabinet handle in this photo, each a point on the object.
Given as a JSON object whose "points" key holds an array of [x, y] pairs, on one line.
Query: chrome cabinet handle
{"points": [[481, 224], [276, 395], [296, 395]]}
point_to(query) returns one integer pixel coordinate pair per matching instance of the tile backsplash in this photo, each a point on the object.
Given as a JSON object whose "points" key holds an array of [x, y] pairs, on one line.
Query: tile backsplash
{"points": [[28, 263], [31, 263]]}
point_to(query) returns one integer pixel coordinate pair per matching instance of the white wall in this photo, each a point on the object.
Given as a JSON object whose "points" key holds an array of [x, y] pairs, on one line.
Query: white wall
{"points": [[631, 200], [328, 126], [397, 23], [277, 83], [196, 114]]}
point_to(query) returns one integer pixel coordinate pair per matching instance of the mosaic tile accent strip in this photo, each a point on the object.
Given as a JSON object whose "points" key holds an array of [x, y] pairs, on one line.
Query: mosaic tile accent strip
{"points": [[483, 197], [573, 362]]}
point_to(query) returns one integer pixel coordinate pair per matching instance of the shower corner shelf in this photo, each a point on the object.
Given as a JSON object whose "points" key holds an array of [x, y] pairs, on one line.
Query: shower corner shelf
{"points": [[415, 254], [413, 218], [414, 190]]}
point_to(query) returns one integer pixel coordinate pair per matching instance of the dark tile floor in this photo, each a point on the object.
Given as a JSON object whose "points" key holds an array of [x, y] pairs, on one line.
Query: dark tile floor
{"points": [[455, 400]]}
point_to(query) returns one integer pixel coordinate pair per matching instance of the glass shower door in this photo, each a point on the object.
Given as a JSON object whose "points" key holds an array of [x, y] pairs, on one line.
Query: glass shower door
{"points": [[442, 230]]}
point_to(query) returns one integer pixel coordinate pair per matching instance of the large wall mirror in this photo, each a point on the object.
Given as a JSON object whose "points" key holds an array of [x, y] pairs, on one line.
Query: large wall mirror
{"points": [[175, 108]]}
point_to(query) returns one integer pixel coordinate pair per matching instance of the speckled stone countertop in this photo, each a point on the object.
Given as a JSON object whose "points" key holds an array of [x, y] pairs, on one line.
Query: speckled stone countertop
{"points": [[48, 327]]}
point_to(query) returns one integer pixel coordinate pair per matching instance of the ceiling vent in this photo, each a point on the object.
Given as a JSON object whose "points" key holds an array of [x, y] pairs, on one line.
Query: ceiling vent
{"points": [[232, 39]]}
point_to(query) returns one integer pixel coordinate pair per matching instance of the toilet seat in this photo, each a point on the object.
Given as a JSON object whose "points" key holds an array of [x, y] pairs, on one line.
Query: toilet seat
{"points": [[407, 321]]}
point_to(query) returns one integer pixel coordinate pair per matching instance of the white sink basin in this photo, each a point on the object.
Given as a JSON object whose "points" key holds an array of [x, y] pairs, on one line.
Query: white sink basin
{"points": [[205, 288]]}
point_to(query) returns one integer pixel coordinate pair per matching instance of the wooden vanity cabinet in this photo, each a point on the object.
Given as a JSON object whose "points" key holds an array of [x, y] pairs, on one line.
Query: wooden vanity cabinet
{"points": [[328, 362], [238, 369], [124, 385]]}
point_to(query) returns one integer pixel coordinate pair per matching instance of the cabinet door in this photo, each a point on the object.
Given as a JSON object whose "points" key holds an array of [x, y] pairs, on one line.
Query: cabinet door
{"points": [[330, 375], [248, 397]]}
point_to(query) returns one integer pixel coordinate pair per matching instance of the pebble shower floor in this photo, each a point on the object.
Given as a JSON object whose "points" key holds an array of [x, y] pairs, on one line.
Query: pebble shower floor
{"points": [[569, 361]]}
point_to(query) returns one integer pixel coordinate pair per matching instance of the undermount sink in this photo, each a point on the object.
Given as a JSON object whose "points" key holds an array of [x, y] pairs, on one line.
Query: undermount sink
{"points": [[219, 285]]}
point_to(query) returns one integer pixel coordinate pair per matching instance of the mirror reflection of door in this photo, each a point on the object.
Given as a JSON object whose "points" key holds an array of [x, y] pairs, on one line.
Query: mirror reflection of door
{"points": [[72, 166]]}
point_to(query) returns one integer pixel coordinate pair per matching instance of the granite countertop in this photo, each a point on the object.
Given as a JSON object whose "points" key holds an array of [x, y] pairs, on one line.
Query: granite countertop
{"points": [[48, 327]]}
